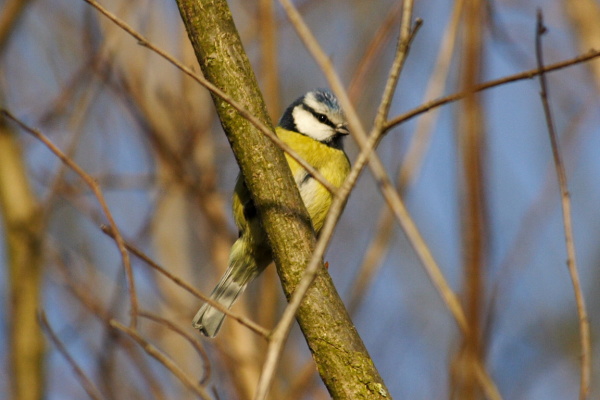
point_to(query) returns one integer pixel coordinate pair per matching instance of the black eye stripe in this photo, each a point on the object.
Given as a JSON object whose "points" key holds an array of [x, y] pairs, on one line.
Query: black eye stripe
{"points": [[315, 114]]}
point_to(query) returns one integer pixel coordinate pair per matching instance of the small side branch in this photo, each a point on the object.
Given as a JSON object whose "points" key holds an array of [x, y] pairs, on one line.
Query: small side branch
{"points": [[163, 359], [589, 56], [584, 325], [187, 287], [95, 188]]}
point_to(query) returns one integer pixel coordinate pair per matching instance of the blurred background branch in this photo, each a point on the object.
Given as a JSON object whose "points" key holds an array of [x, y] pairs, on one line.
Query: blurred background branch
{"points": [[148, 134], [561, 177], [341, 358], [23, 230], [471, 144]]}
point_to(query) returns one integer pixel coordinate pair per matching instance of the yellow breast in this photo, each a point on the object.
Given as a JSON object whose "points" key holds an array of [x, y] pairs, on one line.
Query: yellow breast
{"points": [[332, 163]]}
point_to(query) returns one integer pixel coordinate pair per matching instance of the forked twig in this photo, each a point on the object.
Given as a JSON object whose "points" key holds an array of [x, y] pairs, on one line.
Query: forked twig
{"points": [[195, 343], [142, 41], [163, 359], [388, 125], [189, 288], [584, 325], [95, 187], [410, 166], [387, 189], [532, 73], [281, 331]]}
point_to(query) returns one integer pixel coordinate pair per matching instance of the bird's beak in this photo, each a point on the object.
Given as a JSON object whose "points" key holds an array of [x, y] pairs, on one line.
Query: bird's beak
{"points": [[342, 129]]}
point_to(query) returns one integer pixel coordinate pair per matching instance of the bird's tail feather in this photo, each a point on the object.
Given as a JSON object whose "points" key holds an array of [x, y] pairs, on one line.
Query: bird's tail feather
{"points": [[208, 319]]}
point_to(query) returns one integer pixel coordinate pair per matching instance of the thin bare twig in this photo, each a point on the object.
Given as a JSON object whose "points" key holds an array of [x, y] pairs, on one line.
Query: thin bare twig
{"points": [[584, 325], [367, 148], [84, 294], [163, 359], [85, 381], [391, 196], [406, 34], [95, 187], [374, 49], [532, 73], [374, 255], [421, 138], [215, 90], [182, 283], [281, 331], [191, 340], [410, 166]]}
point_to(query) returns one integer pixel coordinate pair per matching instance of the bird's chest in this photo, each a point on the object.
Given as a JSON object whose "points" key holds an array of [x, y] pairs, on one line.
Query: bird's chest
{"points": [[333, 165]]}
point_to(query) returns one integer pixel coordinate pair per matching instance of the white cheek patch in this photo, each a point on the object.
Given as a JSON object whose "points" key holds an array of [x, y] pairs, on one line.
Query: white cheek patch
{"points": [[308, 125]]}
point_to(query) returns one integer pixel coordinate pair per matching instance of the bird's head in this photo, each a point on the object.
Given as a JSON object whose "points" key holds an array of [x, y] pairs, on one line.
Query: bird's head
{"points": [[318, 115]]}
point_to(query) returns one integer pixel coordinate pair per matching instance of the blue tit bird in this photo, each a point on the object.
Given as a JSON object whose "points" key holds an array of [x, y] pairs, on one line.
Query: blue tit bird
{"points": [[314, 127]]}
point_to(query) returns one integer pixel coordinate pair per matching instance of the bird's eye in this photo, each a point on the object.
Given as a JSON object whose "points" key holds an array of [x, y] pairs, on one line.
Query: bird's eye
{"points": [[322, 117]]}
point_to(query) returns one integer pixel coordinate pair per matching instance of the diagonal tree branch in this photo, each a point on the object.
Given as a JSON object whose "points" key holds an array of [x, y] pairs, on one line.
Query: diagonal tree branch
{"points": [[95, 188], [90, 388], [341, 357], [584, 324]]}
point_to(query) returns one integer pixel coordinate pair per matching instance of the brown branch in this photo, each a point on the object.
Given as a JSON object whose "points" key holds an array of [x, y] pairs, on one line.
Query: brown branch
{"points": [[23, 225], [409, 169], [95, 187], [372, 56], [10, 14], [190, 339], [85, 381], [321, 313], [267, 25], [163, 359], [377, 249], [236, 105], [471, 141], [367, 155], [584, 325], [186, 286], [530, 74]]}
